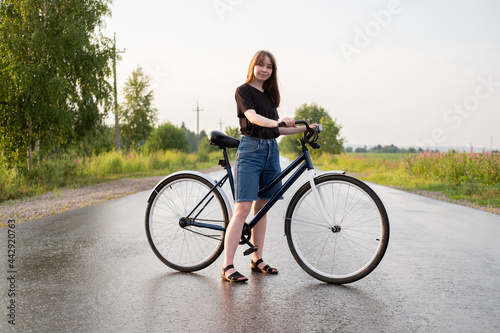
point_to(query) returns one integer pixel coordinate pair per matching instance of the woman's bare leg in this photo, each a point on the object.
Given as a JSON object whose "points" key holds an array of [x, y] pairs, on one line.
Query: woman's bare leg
{"points": [[259, 231], [233, 233]]}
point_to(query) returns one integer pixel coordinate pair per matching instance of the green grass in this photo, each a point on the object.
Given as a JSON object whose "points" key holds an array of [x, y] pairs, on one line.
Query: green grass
{"points": [[474, 177], [459, 175], [72, 171]]}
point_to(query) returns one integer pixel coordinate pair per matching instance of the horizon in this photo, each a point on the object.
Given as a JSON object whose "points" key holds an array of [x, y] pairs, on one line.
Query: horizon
{"points": [[442, 149]]}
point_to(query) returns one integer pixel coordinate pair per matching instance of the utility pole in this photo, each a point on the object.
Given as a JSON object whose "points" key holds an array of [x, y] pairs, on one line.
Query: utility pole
{"points": [[117, 127], [220, 123], [197, 110]]}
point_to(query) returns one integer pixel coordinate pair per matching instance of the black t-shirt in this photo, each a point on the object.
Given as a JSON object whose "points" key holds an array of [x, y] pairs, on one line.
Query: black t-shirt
{"points": [[247, 98]]}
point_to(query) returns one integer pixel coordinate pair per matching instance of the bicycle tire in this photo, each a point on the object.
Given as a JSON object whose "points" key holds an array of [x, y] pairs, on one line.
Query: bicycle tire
{"points": [[185, 248], [337, 255]]}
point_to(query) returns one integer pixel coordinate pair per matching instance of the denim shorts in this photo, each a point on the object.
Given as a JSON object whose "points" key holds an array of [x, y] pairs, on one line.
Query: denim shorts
{"points": [[257, 164]]}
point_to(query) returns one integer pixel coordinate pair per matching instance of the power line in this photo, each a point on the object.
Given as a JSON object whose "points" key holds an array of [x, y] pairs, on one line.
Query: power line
{"points": [[197, 110], [220, 123]]}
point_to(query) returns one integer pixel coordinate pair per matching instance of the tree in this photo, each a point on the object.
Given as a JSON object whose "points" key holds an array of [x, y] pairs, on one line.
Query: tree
{"points": [[167, 136], [54, 67], [329, 139], [233, 131], [193, 143], [204, 146], [137, 114]]}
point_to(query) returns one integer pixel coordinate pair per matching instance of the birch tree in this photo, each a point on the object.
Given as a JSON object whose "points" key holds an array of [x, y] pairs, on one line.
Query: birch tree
{"points": [[54, 66]]}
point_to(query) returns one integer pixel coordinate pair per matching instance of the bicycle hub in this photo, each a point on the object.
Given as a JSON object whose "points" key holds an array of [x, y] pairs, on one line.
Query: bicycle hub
{"points": [[336, 229]]}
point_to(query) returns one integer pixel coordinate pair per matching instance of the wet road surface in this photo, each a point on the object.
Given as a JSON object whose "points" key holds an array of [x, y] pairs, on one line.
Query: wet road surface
{"points": [[92, 270]]}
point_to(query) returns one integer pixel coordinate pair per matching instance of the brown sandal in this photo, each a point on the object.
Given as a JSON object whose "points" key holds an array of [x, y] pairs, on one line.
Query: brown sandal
{"points": [[266, 270], [235, 277]]}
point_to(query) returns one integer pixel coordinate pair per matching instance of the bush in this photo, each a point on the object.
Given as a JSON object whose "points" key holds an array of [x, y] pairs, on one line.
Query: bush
{"points": [[10, 180], [167, 136]]}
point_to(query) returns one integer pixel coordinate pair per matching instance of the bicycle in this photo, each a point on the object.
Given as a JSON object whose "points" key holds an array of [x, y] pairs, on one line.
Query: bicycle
{"points": [[336, 226]]}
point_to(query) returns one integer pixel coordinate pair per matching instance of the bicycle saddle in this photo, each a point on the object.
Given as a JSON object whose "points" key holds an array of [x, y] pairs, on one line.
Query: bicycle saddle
{"points": [[222, 140]]}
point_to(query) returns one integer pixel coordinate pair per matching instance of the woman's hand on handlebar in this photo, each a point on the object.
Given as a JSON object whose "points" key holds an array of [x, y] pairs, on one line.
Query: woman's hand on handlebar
{"points": [[286, 122], [294, 129]]}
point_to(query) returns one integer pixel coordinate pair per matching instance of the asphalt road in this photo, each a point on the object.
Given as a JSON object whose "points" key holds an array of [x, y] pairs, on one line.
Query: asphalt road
{"points": [[91, 270]]}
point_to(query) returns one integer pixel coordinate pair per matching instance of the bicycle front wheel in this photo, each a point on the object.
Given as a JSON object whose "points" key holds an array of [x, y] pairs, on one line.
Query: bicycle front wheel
{"points": [[348, 251], [183, 246]]}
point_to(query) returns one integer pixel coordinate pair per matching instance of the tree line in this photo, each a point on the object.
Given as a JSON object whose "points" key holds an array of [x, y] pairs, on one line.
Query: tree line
{"points": [[138, 122], [378, 149], [55, 94], [138, 116]]}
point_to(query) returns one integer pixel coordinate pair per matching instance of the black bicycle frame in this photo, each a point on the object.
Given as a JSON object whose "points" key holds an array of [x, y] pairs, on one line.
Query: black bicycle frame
{"points": [[303, 162]]}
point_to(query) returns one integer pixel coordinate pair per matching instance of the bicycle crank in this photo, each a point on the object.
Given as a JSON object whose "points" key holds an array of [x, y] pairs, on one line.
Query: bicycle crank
{"points": [[245, 239]]}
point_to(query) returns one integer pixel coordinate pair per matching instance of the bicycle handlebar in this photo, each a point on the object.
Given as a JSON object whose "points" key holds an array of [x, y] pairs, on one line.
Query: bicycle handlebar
{"points": [[282, 124], [303, 122], [308, 133]]}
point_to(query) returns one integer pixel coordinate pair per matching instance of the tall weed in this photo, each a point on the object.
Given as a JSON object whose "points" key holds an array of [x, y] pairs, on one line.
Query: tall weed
{"points": [[74, 171], [459, 175], [10, 181], [458, 168]]}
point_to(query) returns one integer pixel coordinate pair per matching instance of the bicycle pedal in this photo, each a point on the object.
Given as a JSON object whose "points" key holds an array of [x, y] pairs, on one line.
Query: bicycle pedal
{"points": [[250, 250]]}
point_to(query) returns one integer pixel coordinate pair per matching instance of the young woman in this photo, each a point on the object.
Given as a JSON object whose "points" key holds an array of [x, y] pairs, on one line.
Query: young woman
{"points": [[257, 158]]}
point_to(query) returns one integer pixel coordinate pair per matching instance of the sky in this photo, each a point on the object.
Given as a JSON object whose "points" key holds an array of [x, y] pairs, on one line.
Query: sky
{"points": [[417, 73]]}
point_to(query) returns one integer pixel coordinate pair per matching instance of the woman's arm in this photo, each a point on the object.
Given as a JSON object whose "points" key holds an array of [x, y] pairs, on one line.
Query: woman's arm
{"points": [[262, 121], [295, 129], [291, 130]]}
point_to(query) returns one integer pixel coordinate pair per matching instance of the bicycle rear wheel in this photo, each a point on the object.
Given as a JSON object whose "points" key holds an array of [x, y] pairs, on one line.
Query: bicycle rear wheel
{"points": [[344, 253], [182, 246]]}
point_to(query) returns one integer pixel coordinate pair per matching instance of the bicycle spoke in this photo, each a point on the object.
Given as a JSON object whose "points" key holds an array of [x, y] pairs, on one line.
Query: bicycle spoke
{"points": [[348, 251], [178, 244]]}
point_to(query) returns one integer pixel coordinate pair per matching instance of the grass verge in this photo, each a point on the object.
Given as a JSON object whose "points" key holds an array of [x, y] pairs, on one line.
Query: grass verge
{"points": [[474, 177], [72, 172], [457, 175]]}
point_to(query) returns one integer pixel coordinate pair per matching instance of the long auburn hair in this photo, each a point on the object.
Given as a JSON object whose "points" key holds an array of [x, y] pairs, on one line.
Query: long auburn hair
{"points": [[271, 84]]}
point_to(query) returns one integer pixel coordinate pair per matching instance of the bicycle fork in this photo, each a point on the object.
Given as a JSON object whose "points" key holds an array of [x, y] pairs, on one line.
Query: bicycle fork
{"points": [[320, 201]]}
